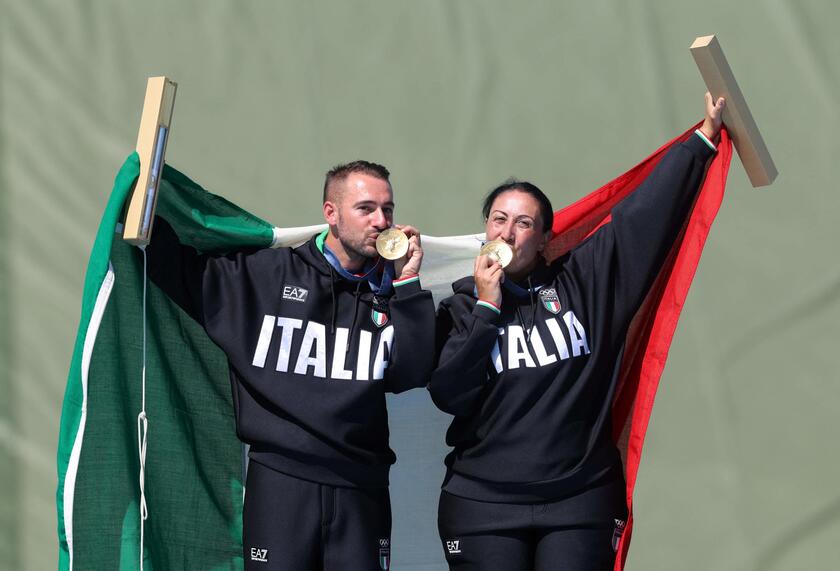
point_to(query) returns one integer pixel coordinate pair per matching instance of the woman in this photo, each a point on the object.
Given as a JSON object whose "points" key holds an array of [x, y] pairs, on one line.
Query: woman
{"points": [[528, 362]]}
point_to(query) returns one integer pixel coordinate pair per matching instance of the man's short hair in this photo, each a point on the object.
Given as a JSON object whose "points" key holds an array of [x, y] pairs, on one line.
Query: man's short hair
{"points": [[340, 173], [546, 212]]}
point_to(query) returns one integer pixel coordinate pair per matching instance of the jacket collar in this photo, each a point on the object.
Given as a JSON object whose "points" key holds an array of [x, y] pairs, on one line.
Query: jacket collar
{"points": [[378, 273]]}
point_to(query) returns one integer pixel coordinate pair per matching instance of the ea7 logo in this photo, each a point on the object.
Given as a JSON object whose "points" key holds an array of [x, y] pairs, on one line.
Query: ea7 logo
{"points": [[260, 555], [453, 546], [295, 293]]}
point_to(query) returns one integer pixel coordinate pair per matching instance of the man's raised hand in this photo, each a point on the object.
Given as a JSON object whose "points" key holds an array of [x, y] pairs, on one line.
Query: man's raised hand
{"points": [[409, 265]]}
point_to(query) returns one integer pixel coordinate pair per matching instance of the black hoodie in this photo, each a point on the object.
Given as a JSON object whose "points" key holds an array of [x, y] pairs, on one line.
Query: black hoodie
{"points": [[531, 388], [311, 353]]}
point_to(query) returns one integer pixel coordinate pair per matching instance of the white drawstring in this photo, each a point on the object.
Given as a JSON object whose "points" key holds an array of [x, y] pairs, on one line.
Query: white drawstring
{"points": [[143, 424]]}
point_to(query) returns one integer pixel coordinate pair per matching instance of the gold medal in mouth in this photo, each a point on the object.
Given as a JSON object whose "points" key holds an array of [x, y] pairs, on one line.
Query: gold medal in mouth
{"points": [[498, 251], [392, 244]]}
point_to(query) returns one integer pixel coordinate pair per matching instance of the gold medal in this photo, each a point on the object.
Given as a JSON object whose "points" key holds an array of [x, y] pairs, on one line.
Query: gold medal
{"points": [[392, 244], [498, 251]]}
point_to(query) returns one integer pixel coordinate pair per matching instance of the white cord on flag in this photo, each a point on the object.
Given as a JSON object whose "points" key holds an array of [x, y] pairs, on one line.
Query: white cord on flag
{"points": [[143, 424]]}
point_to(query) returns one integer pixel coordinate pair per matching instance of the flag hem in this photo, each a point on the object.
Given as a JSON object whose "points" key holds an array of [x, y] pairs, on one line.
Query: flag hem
{"points": [[101, 303]]}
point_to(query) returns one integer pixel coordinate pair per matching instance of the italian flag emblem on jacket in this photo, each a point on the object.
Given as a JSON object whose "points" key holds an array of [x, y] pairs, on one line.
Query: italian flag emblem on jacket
{"points": [[378, 317], [550, 300]]}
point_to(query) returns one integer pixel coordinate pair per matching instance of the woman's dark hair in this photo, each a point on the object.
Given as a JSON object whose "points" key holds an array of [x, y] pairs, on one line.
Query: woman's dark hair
{"points": [[546, 212]]}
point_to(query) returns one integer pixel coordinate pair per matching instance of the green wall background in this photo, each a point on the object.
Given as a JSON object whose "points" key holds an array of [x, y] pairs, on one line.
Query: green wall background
{"points": [[741, 463]]}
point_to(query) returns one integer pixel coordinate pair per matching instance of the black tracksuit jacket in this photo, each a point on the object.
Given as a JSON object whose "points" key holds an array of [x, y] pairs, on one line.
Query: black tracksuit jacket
{"points": [[311, 354], [531, 389]]}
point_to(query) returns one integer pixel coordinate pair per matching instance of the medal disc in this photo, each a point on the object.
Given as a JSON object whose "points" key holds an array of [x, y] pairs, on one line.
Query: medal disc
{"points": [[498, 251], [392, 244]]}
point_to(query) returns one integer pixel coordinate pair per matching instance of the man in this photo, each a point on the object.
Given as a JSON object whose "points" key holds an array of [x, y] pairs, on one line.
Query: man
{"points": [[315, 337]]}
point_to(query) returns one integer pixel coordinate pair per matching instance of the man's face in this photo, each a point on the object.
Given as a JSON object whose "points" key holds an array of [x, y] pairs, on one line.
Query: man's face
{"points": [[364, 206], [515, 219]]}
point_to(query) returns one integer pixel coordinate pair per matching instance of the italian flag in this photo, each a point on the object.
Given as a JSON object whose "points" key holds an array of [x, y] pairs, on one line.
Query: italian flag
{"points": [[148, 391]]}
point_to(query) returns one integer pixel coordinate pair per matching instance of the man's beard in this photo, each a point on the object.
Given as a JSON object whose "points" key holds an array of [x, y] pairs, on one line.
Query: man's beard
{"points": [[356, 248]]}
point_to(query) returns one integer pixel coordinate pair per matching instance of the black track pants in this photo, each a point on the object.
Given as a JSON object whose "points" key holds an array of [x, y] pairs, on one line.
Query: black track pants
{"points": [[297, 525], [578, 533]]}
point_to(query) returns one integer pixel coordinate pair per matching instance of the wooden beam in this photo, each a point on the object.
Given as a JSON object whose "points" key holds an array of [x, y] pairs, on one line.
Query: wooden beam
{"points": [[151, 146], [736, 115]]}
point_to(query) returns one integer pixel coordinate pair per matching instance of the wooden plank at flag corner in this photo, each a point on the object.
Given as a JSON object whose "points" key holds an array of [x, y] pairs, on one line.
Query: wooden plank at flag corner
{"points": [[720, 82], [151, 147]]}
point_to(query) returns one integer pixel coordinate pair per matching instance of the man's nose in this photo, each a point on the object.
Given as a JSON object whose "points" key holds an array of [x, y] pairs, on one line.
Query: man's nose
{"points": [[379, 219]]}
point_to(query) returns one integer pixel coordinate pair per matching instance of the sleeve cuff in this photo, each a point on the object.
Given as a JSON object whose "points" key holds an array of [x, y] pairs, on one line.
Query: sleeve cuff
{"points": [[407, 286], [696, 145], [487, 311], [705, 139]]}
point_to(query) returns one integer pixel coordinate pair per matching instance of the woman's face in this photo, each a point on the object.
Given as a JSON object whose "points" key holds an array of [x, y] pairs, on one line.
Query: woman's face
{"points": [[515, 219]]}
